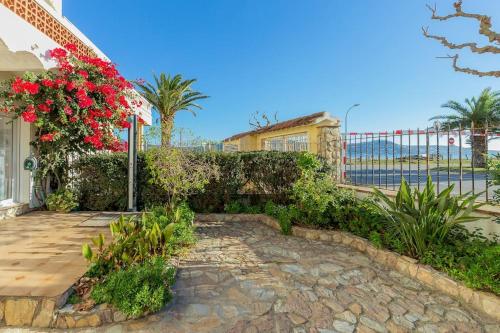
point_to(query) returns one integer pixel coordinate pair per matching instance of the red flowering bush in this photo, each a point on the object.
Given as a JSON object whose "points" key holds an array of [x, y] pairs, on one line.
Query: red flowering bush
{"points": [[74, 109]]}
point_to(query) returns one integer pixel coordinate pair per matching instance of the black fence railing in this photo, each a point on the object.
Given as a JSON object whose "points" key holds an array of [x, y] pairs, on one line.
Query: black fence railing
{"points": [[448, 156]]}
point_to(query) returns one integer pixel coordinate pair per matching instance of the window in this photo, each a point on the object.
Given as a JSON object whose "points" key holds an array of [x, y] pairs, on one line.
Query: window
{"points": [[294, 142], [6, 158]]}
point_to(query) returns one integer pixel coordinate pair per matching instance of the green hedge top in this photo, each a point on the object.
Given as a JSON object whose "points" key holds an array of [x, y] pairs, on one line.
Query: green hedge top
{"points": [[101, 180]]}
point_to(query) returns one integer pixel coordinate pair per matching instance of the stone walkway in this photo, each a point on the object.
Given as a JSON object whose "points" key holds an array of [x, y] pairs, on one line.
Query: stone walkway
{"points": [[246, 277]]}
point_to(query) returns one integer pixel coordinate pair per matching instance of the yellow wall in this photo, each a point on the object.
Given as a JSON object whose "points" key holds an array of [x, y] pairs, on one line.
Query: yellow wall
{"points": [[253, 142]]}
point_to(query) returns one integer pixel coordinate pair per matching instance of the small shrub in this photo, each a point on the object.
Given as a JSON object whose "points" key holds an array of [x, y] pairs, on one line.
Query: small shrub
{"points": [[140, 289], [233, 207], [284, 214], [252, 209], [312, 192], [179, 173], [62, 201], [422, 218], [162, 232]]}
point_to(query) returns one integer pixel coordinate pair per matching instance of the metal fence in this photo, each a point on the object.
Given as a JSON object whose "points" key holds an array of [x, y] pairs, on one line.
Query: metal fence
{"points": [[448, 156], [191, 146]]}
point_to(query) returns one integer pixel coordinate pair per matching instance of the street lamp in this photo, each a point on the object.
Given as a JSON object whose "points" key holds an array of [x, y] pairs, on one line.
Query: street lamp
{"points": [[345, 121]]}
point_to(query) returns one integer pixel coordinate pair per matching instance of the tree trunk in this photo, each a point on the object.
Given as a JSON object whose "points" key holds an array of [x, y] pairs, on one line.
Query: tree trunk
{"points": [[167, 125], [479, 149]]}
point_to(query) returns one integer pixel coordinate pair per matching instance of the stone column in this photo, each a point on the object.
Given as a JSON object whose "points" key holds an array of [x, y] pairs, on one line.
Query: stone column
{"points": [[329, 147]]}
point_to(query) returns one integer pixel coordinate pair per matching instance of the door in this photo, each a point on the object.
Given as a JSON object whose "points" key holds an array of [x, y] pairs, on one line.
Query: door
{"points": [[6, 160]]}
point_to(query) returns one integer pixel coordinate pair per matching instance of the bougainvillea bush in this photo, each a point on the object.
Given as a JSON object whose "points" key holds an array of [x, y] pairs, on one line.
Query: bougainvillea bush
{"points": [[75, 109]]}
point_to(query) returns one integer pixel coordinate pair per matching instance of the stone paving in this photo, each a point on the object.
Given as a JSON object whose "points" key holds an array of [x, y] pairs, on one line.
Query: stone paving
{"points": [[246, 277]]}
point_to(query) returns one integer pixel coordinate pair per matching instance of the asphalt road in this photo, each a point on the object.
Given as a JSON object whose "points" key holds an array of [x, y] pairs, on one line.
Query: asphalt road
{"points": [[391, 178]]}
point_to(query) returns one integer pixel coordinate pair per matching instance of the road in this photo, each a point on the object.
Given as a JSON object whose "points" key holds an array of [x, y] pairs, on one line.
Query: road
{"points": [[391, 178]]}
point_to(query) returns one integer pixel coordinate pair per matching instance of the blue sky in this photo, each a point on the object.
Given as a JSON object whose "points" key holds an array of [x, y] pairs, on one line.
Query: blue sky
{"points": [[294, 57]]}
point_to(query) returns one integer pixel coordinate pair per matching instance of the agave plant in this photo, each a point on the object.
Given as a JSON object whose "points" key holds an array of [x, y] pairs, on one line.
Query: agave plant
{"points": [[422, 218]]}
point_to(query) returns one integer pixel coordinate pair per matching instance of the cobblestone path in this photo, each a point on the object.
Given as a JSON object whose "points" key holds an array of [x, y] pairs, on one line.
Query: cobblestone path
{"points": [[246, 277]]}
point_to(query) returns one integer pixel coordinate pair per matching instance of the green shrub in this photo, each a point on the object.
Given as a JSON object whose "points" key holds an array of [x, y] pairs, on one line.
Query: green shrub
{"points": [[101, 181], [240, 206], [62, 200], [468, 257], [161, 232], [285, 215], [313, 192], [362, 218], [139, 289], [233, 207], [422, 218], [179, 173]]}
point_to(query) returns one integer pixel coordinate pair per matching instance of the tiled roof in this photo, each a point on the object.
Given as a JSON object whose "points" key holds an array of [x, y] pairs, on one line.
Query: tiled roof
{"points": [[301, 121]]}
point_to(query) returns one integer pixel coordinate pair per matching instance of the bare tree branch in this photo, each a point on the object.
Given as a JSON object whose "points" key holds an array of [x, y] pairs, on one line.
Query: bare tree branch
{"points": [[469, 70], [473, 47], [484, 29], [484, 20], [256, 118]]}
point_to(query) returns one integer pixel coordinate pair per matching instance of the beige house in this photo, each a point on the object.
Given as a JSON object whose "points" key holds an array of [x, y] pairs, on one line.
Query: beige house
{"points": [[318, 133]]}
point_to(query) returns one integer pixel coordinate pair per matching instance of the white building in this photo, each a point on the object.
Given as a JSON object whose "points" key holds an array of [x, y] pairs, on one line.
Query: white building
{"points": [[28, 29]]}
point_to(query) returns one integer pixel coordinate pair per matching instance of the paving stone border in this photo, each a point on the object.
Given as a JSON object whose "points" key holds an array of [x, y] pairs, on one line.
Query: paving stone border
{"points": [[46, 313], [482, 301]]}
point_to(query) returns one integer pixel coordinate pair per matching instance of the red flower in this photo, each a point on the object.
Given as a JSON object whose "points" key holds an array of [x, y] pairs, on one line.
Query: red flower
{"points": [[71, 47], [83, 73], [107, 90], [59, 82], [44, 108], [73, 119], [90, 86], [17, 86], [124, 124], [94, 140], [58, 53], [123, 102], [108, 114], [68, 110], [47, 137], [32, 87], [29, 117], [70, 86], [49, 102], [47, 83], [85, 102]]}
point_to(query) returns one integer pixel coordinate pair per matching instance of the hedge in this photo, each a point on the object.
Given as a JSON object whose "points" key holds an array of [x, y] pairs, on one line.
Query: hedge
{"points": [[256, 177]]}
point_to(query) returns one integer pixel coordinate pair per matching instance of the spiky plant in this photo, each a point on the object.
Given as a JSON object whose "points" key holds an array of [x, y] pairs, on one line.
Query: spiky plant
{"points": [[422, 218]]}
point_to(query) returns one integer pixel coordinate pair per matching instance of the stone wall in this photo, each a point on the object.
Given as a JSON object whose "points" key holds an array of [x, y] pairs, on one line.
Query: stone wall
{"points": [[487, 303], [329, 147]]}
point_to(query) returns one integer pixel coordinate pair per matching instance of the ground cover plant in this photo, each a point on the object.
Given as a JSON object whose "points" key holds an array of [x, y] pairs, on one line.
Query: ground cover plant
{"points": [[132, 271]]}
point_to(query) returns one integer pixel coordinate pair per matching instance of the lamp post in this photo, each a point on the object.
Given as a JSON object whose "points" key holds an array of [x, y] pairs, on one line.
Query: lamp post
{"points": [[345, 138], [345, 121]]}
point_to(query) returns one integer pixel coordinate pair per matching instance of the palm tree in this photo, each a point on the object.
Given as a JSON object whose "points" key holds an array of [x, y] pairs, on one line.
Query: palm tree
{"points": [[477, 113], [169, 95]]}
